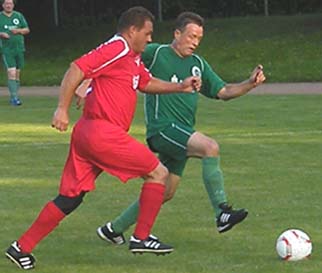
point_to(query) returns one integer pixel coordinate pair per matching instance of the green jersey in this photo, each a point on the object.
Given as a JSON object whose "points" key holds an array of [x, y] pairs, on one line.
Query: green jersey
{"points": [[165, 64], [16, 42]]}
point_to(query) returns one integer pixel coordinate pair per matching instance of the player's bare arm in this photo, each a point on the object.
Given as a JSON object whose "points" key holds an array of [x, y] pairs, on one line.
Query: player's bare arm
{"points": [[70, 82], [22, 31], [81, 92], [157, 86], [4, 35], [234, 90]]}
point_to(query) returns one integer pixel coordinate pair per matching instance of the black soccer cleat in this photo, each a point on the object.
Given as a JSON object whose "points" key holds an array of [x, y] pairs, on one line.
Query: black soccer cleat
{"points": [[229, 217], [24, 261], [107, 234], [149, 245]]}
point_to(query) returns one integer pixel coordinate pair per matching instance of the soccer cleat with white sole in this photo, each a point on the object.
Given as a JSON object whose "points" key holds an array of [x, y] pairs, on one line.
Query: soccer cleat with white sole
{"points": [[150, 245], [107, 234], [229, 217], [24, 261]]}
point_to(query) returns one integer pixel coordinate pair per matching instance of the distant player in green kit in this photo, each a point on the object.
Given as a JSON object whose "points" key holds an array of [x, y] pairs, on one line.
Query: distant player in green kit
{"points": [[13, 26], [170, 119]]}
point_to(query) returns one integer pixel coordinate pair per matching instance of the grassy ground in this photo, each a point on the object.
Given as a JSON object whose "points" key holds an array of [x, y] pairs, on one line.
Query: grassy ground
{"points": [[271, 157], [289, 47]]}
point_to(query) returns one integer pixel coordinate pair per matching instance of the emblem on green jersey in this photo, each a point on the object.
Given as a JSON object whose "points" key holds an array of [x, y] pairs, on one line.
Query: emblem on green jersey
{"points": [[196, 71], [174, 78]]}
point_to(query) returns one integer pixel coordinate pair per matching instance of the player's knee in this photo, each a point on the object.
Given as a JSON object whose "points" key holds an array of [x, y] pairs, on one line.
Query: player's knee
{"points": [[211, 149], [68, 204], [160, 174], [11, 73], [164, 173]]}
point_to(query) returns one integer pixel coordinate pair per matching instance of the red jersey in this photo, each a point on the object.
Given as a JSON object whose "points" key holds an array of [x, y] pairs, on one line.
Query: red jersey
{"points": [[117, 72]]}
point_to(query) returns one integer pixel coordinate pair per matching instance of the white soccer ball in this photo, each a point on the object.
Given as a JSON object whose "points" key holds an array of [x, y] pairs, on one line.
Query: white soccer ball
{"points": [[293, 245]]}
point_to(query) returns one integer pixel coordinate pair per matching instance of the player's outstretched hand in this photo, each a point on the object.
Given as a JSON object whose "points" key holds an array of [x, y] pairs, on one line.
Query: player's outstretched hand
{"points": [[60, 120], [191, 84], [258, 77]]}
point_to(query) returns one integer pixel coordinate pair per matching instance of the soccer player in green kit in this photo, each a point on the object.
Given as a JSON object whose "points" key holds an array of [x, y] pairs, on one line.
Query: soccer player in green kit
{"points": [[170, 120], [13, 26]]}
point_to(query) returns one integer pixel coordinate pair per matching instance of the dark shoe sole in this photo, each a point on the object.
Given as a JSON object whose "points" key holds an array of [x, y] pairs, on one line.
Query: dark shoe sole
{"points": [[151, 251]]}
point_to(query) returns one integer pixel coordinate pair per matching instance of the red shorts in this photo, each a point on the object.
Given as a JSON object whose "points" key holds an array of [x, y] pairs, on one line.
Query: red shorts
{"points": [[96, 146]]}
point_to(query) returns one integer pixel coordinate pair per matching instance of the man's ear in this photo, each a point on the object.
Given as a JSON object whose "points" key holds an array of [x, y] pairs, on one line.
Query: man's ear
{"points": [[131, 31], [177, 34]]}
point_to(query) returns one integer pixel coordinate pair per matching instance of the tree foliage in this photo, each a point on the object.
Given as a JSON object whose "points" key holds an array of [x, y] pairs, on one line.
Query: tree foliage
{"points": [[91, 12]]}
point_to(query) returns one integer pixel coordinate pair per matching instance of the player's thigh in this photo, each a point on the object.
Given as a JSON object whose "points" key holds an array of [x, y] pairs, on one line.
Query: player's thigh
{"points": [[171, 145], [9, 60], [172, 141], [200, 145], [20, 60], [114, 150], [79, 173], [175, 166]]}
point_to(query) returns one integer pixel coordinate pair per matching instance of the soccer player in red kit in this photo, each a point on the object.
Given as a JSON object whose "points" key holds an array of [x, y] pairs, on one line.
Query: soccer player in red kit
{"points": [[100, 140]]}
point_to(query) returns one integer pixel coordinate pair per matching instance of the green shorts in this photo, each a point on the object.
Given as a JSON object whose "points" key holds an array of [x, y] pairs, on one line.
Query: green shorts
{"points": [[171, 145], [13, 59]]}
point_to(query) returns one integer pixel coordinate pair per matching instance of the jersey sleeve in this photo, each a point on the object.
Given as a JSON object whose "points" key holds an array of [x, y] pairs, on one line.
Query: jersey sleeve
{"points": [[23, 21], [145, 76], [211, 82], [94, 61], [148, 54]]}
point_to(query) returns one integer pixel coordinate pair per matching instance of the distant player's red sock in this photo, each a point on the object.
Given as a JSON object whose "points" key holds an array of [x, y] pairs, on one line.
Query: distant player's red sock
{"points": [[151, 199], [48, 219]]}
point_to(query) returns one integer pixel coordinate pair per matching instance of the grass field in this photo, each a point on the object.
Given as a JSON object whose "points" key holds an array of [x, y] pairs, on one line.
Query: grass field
{"points": [[271, 157], [289, 47]]}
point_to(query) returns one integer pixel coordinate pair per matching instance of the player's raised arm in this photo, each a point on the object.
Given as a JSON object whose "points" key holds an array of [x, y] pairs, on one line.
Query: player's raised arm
{"points": [[234, 90], [70, 82], [158, 86]]}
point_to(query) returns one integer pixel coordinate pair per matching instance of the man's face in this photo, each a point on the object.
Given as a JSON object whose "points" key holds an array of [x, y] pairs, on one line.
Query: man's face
{"points": [[188, 40], [142, 36], [8, 6]]}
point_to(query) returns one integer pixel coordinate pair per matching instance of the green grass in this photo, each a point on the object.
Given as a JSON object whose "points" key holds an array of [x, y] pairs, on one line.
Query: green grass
{"points": [[289, 47], [271, 157]]}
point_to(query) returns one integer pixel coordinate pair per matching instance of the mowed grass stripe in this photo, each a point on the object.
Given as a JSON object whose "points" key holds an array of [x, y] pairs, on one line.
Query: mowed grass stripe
{"points": [[271, 159]]}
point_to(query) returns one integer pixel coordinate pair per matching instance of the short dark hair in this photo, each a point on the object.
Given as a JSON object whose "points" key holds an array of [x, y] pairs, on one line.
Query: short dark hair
{"points": [[186, 18], [135, 16]]}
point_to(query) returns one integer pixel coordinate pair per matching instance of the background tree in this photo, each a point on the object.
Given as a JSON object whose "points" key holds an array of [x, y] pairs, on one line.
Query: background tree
{"points": [[80, 13]]}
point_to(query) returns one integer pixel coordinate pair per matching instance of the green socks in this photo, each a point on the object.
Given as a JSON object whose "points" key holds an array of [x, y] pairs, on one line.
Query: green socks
{"points": [[13, 88], [127, 218], [214, 182], [18, 86]]}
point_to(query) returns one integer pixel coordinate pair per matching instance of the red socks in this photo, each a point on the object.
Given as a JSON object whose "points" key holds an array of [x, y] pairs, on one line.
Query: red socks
{"points": [[48, 219], [151, 199]]}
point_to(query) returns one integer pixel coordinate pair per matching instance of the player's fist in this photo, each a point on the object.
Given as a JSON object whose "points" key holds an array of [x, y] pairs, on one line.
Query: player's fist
{"points": [[257, 77], [191, 84], [60, 120]]}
